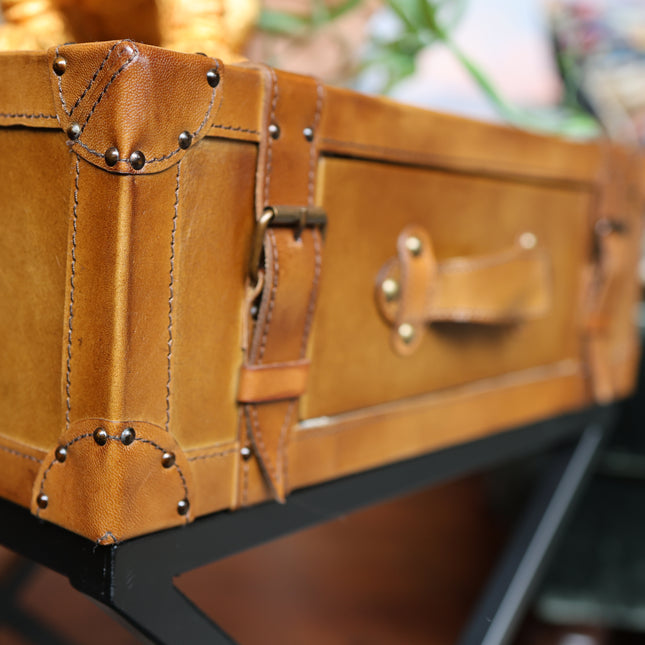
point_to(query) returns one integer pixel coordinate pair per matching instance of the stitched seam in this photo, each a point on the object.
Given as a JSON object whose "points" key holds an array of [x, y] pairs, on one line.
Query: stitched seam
{"points": [[171, 295], [282, 454], [257, 434], [165, 157], [113, 438], [274, 289], [235, 128], [16, 115], [17, 453], [280, 364], [312, 147], [68, 375], [96, 73], [313, 296], [60, 87], [214, 454], [434, 160], [274, 103], [134, 55]]}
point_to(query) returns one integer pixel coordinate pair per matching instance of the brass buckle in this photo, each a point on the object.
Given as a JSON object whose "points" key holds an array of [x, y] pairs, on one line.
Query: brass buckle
{"points": [[296, 217]]}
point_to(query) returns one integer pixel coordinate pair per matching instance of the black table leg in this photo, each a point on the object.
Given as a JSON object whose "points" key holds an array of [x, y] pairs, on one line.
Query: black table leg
{"points": [[504, 600]]}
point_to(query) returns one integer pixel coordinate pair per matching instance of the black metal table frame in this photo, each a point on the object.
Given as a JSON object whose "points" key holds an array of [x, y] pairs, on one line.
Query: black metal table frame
{"points": [[135, 578]]}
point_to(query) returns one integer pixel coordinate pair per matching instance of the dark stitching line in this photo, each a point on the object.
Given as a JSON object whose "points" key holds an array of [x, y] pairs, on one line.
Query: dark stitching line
{"points": [[269, 159], [60, 87], [96, 73], [171, 294], [40, 115], [68, 377], [107, 86], [254, 421], [54, 460], [274, 288], [199, 129], [214, 454], [96, 153], [235, 128], [282, 454], [113, 438], [312, 148], [17, 453]]}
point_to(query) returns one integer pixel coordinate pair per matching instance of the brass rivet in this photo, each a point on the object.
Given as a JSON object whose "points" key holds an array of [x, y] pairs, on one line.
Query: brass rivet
{"points": [[274, 131], [73, 131], [100, 436], [61, 454], [185, 139], [137, 160], [183, 506], [59, 65], [406, 332], [111, 156], [245, 453], [42, 500], [390, 289], [212, 76], [168, 460], [309, 134], [413, 244], [128, 436], [528, 240]]}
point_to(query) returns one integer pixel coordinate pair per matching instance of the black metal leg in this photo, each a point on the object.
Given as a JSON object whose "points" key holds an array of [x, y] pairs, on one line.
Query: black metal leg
{"points": [[505, 598], [134, 578]]}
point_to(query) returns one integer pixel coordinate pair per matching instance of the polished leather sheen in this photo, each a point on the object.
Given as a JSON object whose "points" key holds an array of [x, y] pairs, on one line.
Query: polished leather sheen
{"points": [[128, 302]]}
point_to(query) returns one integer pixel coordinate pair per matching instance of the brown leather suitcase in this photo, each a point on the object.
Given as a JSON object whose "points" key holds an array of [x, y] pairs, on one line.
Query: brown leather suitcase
{"points": [[223, 283]]}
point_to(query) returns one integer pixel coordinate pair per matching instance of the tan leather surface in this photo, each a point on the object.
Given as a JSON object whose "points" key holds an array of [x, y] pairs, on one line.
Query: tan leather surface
{"points": [[114, 491], [504, 288], [272, 382], [127, 302], [352, 360]]}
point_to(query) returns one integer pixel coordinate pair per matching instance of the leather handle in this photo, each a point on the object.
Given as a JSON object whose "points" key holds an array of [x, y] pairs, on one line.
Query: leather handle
{"points": [[414, 289]]}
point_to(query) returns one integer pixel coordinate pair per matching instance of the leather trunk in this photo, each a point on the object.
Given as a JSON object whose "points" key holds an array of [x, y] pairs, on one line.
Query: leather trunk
{"points": [[221, 283]]}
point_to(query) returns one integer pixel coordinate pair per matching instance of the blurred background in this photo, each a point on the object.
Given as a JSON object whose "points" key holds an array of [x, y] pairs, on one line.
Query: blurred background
{"points": [[408, 571]]}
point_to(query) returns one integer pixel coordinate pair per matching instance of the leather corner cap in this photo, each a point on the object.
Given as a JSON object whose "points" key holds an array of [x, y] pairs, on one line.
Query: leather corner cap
{"points": [[133, 108], [109, 481]]}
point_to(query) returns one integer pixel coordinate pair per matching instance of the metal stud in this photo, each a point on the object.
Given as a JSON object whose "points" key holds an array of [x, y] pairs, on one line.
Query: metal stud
{"points": [[168, 460], [73, 131], [61, 454], [308, 133], [274, 131], [414, 245], [185, 139], [212, 76], [528, 240], [137, 160], [128, 436], [406, 332], [59, 65], [111, 156], [183, 506], [245, 453], [42, 500], [100, 436], [390, 289]]}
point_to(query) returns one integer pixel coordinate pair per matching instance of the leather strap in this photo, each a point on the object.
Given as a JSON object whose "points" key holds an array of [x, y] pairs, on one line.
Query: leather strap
{"points": [[274, 375], [511, 286]]}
